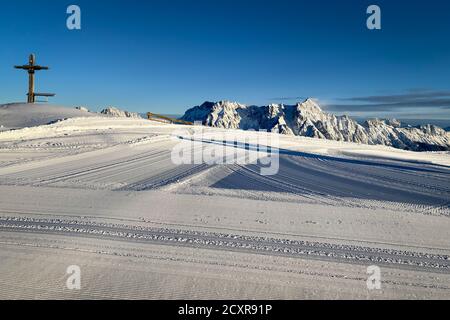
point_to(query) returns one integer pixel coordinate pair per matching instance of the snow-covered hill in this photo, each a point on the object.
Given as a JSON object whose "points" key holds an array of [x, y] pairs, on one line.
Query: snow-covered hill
{"points": [[21, 115], [307, 119]]}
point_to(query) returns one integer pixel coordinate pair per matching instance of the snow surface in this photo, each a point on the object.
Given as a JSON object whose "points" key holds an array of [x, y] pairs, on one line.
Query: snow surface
{"points": [[103, 193]]}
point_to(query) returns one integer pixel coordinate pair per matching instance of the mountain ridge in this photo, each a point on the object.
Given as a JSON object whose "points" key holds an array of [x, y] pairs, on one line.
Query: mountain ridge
{"points": [[309, 120]]}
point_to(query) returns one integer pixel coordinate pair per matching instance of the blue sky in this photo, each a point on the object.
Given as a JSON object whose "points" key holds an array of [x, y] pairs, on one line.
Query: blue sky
{"points": [[165, 56]]}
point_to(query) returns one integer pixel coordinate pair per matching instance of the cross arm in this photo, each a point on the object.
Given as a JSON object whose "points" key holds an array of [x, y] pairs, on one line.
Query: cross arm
{"points": [[44, 94], [26, 67]]}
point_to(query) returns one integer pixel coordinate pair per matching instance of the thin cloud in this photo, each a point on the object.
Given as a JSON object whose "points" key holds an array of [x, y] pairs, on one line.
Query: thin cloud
{"points": [[412, 99], [288, 99]]}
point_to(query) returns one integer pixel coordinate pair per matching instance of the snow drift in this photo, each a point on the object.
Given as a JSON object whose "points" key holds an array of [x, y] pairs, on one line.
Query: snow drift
{"points": [[307, 119]]}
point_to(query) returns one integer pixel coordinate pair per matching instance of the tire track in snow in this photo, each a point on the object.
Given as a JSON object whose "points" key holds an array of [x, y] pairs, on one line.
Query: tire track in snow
{"points": [[232, 242]]}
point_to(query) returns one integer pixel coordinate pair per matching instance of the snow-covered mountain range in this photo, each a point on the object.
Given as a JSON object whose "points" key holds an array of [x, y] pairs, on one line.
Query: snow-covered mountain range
{"points": [[118, 113], [308, 119]]}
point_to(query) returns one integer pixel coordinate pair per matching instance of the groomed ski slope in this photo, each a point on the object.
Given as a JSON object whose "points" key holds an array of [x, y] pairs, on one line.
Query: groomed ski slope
{"points": [[333, 207], [135, 155]]}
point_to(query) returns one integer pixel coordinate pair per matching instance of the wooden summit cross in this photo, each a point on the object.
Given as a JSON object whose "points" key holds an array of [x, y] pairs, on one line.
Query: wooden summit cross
{"points": [[31, 68]]}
